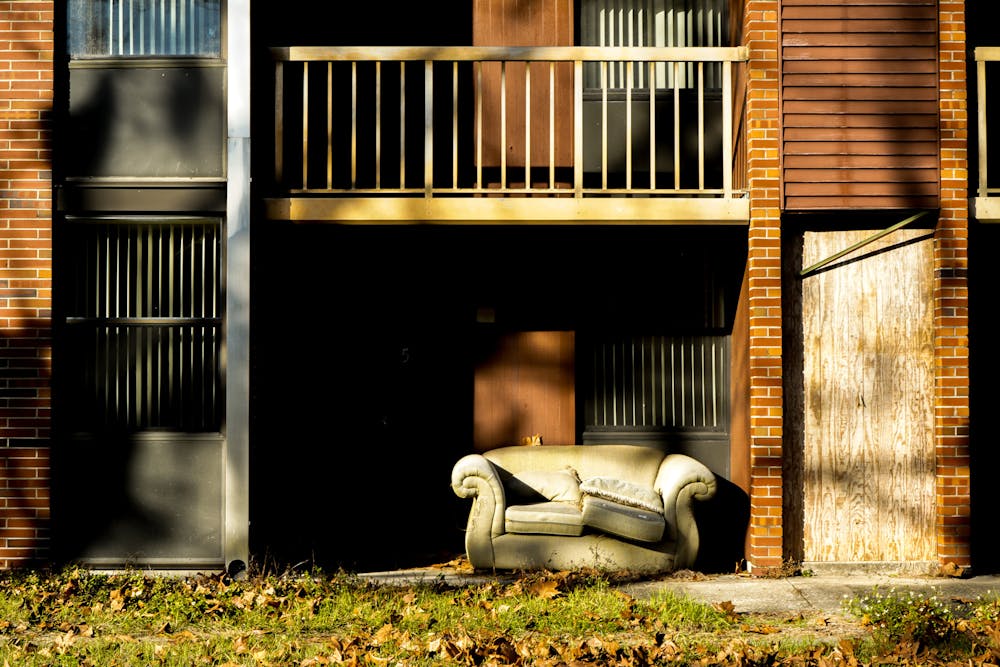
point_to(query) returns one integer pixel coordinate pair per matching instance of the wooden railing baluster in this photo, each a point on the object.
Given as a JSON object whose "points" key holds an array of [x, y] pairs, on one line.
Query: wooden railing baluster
{"points": [[428, 127], [701, 126], [552, 126], [727, 130], [305, 126]]}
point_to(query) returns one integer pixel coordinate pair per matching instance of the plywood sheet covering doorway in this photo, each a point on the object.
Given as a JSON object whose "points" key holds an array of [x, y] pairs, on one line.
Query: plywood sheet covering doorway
{"points": [[867, 469]]}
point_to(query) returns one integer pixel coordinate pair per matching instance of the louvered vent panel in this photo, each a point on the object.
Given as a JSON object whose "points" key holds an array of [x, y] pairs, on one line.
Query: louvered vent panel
{"points": [[659, 383]]}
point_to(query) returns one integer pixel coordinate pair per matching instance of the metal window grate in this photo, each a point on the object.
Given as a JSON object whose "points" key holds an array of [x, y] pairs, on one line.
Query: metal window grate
{"points": [[659, 383], [145, 28], [660, 23], [143, 335]]}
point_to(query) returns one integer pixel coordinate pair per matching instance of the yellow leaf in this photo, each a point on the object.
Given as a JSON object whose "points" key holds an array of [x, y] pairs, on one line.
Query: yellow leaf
{"points": [[544, 589], [383, 634]]}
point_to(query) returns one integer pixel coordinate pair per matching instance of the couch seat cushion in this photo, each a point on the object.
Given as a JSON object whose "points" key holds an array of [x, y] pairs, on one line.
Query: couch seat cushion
{"points": [[623, 493], [551, 518], [626, 521]]}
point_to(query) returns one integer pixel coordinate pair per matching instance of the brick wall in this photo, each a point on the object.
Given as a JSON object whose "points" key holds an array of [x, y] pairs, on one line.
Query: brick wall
{"points": [[25, 277], [951, 294], [764, 294]]}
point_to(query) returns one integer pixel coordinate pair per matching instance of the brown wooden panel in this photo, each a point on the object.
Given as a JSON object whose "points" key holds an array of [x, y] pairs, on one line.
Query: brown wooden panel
{"points": [[867, 465], [861, 203], [830, 175], [866, 11], [856, 134], [863, 40], [526, 387], [861, 189], [739, 390], [837, 54], [861, 106], [859, 93], [518, 23], [868, 79], [859, 66], [852, 25], [795, 162], [904, 3], [834, 93], [859, 120], [859, 148]]}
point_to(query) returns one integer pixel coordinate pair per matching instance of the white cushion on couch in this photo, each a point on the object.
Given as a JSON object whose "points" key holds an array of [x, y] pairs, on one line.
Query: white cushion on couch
{"points": [[623, 493]]}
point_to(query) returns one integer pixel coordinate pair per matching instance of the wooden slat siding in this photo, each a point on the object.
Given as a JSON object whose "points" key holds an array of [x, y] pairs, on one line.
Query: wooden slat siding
{"points": [[860, 161], [514, 23], [859, 104]]}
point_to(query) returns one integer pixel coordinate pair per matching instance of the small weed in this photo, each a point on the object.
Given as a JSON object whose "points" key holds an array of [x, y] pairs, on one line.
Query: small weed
{"points": [[911, 616]]}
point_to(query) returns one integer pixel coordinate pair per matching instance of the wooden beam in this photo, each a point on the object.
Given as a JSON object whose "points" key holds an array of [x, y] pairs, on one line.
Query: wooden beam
{"points": [[510, 211]]}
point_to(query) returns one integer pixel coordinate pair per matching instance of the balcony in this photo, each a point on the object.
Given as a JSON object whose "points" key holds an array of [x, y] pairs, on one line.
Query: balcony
{"points": [[509, 135], [986, 205]]}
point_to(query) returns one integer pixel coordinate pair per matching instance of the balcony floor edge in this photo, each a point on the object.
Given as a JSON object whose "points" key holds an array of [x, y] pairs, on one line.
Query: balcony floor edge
{"points": [[510, 210]]}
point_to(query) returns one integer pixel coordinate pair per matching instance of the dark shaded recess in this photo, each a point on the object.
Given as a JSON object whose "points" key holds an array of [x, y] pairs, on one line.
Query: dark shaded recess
{"points": [[984, 281], [984, 360], [364, 347], [722, 524]]}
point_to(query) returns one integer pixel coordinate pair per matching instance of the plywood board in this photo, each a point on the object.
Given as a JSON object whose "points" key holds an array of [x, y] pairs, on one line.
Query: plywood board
{"points": [[868, 379]]}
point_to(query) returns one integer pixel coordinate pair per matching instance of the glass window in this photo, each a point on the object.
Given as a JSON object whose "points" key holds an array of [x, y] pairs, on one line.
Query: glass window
{"points": [[145, 28], [659, 23]]}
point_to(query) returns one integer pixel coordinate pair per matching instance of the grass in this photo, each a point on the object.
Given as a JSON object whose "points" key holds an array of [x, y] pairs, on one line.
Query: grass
{"points": [[75, 617]]}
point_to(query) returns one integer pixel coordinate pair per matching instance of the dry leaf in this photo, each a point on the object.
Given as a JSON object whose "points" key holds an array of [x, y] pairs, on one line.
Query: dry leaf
{"points": [[546, 589], [950, 569], [383, 634], [726, 607], [760, 629]]}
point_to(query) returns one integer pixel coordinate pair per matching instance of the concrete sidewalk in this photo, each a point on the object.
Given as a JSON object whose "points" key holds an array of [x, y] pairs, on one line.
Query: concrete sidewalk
{"points": [[821, 594], [818, 594]]}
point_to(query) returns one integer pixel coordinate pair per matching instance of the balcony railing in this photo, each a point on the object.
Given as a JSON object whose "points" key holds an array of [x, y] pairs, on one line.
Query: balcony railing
{"points": [[440, 124], [987, 202]]}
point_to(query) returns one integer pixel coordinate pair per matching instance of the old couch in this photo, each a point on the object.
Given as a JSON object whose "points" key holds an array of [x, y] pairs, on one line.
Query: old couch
{"points": [[610, 507]]}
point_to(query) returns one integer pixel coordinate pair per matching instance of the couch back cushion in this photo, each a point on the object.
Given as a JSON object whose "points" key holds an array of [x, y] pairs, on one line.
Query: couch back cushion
{"points": [[631, 463]]}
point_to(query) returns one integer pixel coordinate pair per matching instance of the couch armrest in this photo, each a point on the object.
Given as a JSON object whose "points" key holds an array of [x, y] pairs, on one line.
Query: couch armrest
{"points": [[475, 477], [682, 480]]}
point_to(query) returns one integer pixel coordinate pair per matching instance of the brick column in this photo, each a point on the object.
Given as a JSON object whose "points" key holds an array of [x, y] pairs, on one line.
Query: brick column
{"points": [[764, 272], [951, 297], [25, 277]]}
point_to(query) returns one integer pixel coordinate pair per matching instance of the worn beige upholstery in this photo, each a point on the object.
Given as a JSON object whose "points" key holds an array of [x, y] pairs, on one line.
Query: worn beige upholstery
{"points": [[545, 539]]}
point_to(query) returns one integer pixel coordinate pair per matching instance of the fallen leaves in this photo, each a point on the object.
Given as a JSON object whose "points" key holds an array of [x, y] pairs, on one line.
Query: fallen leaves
{"points": [[727, 608], [544, 619]]}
